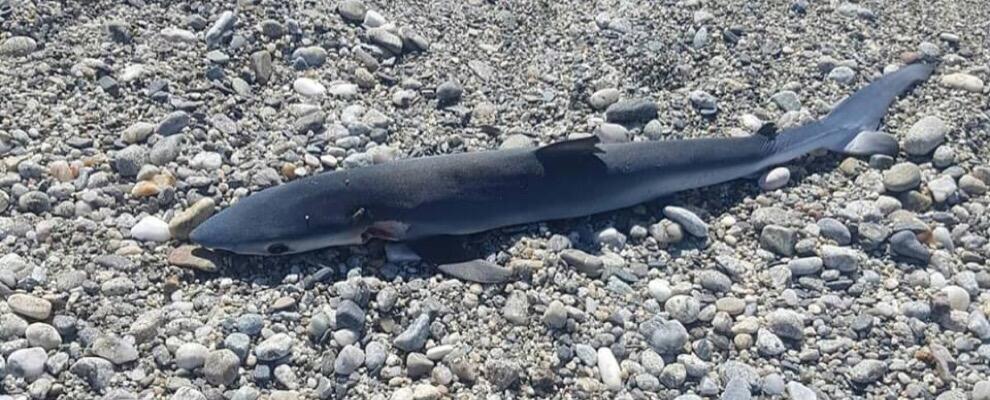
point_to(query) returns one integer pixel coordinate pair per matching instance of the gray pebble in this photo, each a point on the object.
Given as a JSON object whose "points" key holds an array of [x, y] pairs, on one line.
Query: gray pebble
{"points": [[687, 219], [779, 239], [603, 98], [276, 347], [173, 123], [417, 365], [786, 323], [221, 367], [868, 371], [516, 309], [925, 135], [787, 100], [842, 75], [902, 177], [629, 111], [665, 337], [805, 266], [349, 360], [906, 244], [27, 363], [832, 228], [683, 308], [96, 371], [115, 349], [449, 92], [352, 10], [415, 336], [583, 262], [842, 259], [129, 160]]}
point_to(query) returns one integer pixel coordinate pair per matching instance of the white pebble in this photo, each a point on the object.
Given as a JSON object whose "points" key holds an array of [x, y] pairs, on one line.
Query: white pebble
{"points": [[775, 179], [151, 229], [608, 367], [309, 88]]}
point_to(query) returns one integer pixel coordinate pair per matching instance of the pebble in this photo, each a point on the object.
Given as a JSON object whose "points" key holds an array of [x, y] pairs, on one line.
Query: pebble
{"points": [[705, 103], [905, 243], [925, 136], [29, 306], [27, 363], [798, 391], [779, 239], [349, 360], [842, 259], [418, 365], [415, 335], [173, 123], [151, 229], [309, 87], [115, 349], [194, 257], [957, 296], [43, 335], [683, 308], [276, 347], [129, 160], [609, 370], [18, 46], [603, 98], [786, 323], [583, 262], [868, 371], [223, 24], [190, 356], [184, 222], [981, 390], [555, 315], [942, 188], [387, 40], [972, 185], [833, 229], [902, 177], [775, 179], [665, 337], [631, 111], [963, 81], [449, 92], [96, 371], [842, 74], [352, 10], [221, 367], [138, 132], [313, 56], [787, 100], [688, 220], [805, 266]]}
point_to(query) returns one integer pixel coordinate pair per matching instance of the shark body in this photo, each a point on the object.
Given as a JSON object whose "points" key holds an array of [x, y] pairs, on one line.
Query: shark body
{"points": [[467, 193]]}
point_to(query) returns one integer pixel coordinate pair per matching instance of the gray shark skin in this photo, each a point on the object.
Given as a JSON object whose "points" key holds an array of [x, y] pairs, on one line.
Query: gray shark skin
{"points": [[467, 193]]}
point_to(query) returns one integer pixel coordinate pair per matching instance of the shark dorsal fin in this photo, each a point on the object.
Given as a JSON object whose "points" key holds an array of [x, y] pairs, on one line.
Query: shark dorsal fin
{"points": [[585, 145]]}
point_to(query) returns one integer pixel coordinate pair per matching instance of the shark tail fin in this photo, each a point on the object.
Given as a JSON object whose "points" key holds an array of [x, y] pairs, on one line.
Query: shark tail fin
{"points": [[860, 115]]}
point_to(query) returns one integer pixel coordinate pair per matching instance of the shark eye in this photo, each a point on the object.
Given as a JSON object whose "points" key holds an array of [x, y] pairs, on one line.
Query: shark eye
{"points": [[277, 248]]}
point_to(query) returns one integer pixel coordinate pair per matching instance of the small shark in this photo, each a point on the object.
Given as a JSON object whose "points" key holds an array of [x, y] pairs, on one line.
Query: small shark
{"points": [[424, 201]]}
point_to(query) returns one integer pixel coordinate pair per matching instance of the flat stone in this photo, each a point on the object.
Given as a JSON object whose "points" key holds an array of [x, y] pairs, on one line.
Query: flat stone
{"points": [[30, 306], [963, 81], [583, 262], [184, 222], [609, 370], [115, 349], [691, 222], [626, 111], [779, 239], [195, 257], [415, 335]]}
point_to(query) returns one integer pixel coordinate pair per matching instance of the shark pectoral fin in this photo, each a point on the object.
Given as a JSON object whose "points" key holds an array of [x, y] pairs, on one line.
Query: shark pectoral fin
{"points": [[453, 257], [868, 143], [480, 271]]}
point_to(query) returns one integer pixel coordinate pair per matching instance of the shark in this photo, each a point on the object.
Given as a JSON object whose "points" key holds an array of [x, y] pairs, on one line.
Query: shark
{"points": [[428, 202]]}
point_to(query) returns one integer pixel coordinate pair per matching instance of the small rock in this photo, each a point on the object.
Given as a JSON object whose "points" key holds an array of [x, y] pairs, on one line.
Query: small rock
{"points": [[449, 92], [902, 177], [603, 98], [786, 323], [190, 356], [942, 188], [349, 360], [276, 347], [905, 243], [352, 10], [687, 219], [18, 46], [683, 308], [151, 229], [221, 367], [868, 371], [29, 306], [308, 87], [779, 239], [585, 263], [972, 185], [173, 123], [963, 81], [115, 349], [516, 309], [27, 363], [415, 336], [775, 179], [608, 368], [184, 222], [925, 135], [628, 111], [96, 371]]}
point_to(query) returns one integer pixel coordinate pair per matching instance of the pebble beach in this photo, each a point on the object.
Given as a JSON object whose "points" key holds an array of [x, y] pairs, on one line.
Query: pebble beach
{"points": [[124, 124]]}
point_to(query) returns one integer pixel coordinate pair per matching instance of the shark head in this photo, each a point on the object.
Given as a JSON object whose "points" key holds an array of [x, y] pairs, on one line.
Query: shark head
{"points": [[286, 219]]}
